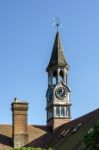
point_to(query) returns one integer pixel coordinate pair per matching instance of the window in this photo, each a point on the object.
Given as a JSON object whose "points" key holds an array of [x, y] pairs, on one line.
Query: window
{"points": [[62, 111], [68, 111], [57, 111], [50, 114]]}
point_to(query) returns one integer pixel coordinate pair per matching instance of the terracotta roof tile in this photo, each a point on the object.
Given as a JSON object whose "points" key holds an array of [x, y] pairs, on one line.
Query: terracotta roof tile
{"points": [[38, 136]]}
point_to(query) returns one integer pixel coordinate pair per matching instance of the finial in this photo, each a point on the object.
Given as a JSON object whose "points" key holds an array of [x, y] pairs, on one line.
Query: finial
{"points": [[57, 23], [16, 99]]}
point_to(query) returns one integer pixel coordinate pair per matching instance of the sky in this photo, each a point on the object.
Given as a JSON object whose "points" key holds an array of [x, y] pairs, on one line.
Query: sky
{"points": [[26, 39]]}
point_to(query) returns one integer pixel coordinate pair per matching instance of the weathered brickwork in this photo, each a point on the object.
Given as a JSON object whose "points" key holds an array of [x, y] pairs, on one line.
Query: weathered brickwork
{"points": [[19, 126], [54, 123]]}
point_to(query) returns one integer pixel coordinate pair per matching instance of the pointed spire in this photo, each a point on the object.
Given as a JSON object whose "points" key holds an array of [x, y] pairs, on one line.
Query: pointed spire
{"points": [[57, 56]]}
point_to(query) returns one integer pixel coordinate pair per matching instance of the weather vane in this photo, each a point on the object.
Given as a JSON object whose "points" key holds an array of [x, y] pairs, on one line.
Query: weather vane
{"points": [[57, 23]]}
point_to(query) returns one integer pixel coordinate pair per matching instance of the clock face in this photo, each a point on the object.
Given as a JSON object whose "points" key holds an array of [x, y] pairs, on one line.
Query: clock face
{"points": [[61, 93]]}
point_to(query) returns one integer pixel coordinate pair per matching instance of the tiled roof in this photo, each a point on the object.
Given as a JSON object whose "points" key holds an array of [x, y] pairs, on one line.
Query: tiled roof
{"points": [[68, 136], [38, 136], [5, 137]]}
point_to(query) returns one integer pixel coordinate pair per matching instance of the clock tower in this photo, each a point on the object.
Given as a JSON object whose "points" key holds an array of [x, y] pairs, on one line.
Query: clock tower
{"points": [[58, 92]]}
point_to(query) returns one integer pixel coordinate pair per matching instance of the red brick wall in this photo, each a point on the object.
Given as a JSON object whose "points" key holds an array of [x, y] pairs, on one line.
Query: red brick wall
{"points": [[54, 123], [19, 118]]}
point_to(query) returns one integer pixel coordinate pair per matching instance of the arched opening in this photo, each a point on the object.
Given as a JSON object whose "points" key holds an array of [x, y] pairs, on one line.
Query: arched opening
{"points": [[54, 81], [61, 75], [54, 78]]}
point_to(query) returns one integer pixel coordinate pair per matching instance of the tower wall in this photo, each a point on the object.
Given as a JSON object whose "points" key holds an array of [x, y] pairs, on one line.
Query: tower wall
{"points": [[19, 123], [58, 93], [56, 122]]}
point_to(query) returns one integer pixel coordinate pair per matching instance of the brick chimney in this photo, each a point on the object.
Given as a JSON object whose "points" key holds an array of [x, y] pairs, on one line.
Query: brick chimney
{"points": [[19, 123]]}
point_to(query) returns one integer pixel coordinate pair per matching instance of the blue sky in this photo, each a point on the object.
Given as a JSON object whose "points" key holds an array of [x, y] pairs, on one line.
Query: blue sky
{"points": [[26, 40]]}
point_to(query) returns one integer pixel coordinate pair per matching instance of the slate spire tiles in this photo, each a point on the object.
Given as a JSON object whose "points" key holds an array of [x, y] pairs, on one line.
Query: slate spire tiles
{"points": [[57, 56]]}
